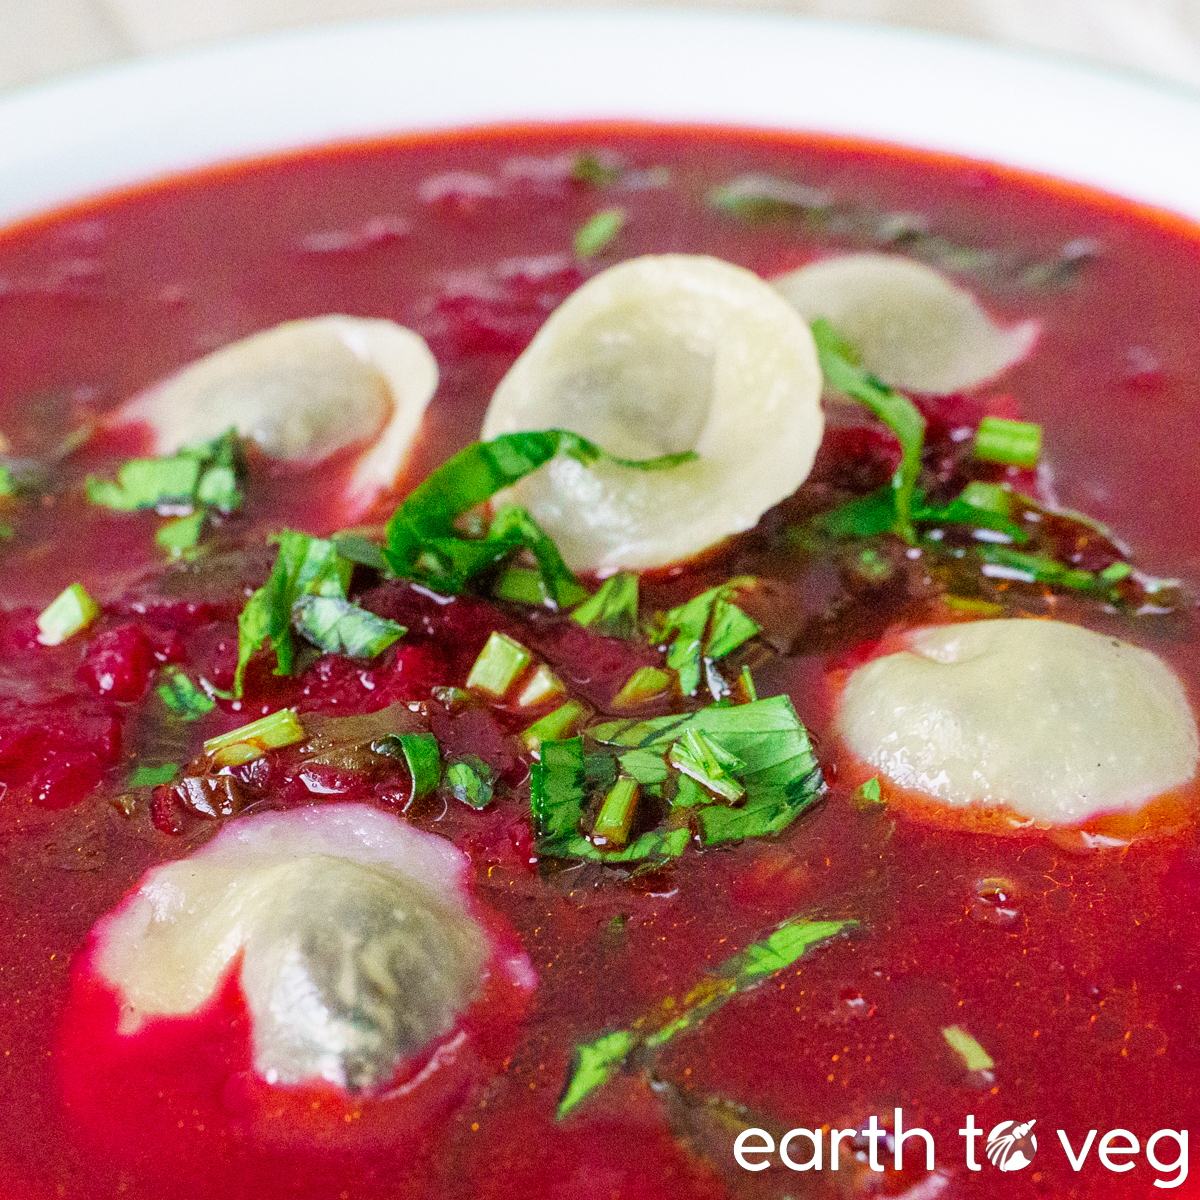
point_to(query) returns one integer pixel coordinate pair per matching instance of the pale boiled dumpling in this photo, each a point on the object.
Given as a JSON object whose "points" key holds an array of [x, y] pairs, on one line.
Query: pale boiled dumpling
{"points": [[913, 328], [303, 390], [359, 945], [1055, 722], [654, 356]]}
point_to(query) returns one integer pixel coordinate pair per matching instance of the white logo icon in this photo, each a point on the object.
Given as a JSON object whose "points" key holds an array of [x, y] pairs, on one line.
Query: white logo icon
{"points": [[1011, 1146]]}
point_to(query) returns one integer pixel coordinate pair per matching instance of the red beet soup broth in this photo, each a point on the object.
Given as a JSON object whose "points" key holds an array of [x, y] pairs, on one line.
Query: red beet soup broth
{"points": [[1068, 956]]}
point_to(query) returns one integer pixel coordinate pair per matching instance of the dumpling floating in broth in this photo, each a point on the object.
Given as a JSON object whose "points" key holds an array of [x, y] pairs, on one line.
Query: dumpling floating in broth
{"points": [[357, 944], [912, 327], [654, 356], [302, 391], [1054, 722]]}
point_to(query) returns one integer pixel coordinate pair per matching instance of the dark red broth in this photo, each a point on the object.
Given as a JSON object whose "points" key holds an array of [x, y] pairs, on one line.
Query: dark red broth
{"points": [[1079, 971]]}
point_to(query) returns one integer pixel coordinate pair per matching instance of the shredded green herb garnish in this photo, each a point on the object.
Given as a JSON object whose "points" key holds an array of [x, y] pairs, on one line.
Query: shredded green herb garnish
{"points": [[248, 742], [69, 613], [470, 780], [598, 1061], [422, 756], [613, 610], [500, 662], [840, 366], [182, 697], [754, 755], [337, 626], [761, 198], [598, 231], [205, 478], [1010, 443], [553, 727], [708, 627], [152, 776], [307, 590], [974, 1056], [424, 544], [644, 685], [587, 168]]}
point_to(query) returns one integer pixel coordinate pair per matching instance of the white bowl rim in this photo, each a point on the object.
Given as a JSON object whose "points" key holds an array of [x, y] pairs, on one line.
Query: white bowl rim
{"points": [[121, 125]]}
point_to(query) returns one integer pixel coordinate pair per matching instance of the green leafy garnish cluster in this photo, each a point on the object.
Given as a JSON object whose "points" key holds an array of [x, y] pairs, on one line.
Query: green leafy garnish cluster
{"points": [[598, 1061], [613, 610], [839, 362], [424, 541], [728, 771], [205, 478], [308, 591], [704, 629]]}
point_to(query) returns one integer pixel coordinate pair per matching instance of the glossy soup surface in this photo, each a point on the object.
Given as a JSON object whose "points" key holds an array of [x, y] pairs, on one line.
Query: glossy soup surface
{"points": [[1071, 958]]}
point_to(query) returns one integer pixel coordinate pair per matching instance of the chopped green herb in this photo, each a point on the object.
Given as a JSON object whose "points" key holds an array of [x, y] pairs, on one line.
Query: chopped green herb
{"points": [[974, 1056], [976, 608], [759, 747], [147, 483], [869, 795], [361, 550], [338, 626], [1004, 563], [1011, 443], [594, 1065], [152, 776], [613, 610], [840, 366], [500, 662], [424, 544], [251, 741], [7, 487], [304, 566], [644, 685], [469, 779], [707, 627], [205, 476], [587, 168], [182, 534], [218, 488], [543, 685], [780, 775], [557, 586], [705, 761], [648, 767], [760, 198], [521, 585], [598, 1061], [182, 697], [553, 727], [69, 613], [1115, 572], [420, 751], [746, 680], [598, 231], [616, 813]]}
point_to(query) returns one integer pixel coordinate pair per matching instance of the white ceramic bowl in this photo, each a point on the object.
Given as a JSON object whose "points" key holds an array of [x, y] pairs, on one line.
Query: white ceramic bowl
{"points": [[127, 123]]}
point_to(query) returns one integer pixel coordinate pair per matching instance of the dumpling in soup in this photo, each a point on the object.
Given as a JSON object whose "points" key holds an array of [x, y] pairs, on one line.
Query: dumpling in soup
{"points": [[1055, 722]]}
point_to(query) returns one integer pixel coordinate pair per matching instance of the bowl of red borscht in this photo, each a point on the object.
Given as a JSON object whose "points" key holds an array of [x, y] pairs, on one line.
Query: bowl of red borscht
{"points": [[597, 606]]}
